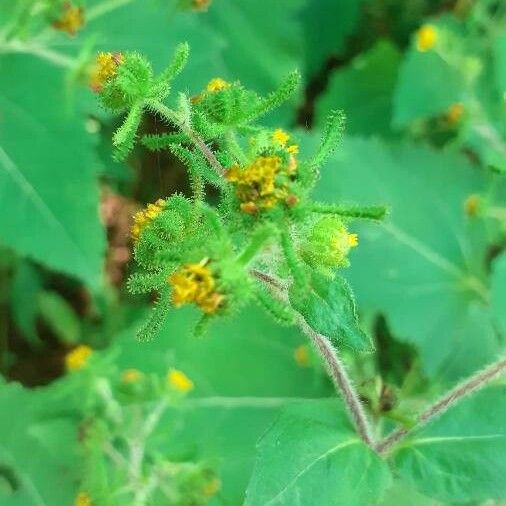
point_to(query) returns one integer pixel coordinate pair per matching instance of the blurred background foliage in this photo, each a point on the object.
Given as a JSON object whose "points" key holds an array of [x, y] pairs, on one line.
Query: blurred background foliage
{"points": [[426, 135]]}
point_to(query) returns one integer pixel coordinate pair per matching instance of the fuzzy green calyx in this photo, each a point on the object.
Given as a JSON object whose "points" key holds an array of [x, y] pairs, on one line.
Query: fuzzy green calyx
{"points": [[328, 244]]}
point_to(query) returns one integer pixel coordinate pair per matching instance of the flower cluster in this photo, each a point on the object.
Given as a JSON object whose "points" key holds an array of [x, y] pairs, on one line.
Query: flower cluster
{"points": [[104, 69], [195, 283], [70, 20], [78, 357], [145, 216]]}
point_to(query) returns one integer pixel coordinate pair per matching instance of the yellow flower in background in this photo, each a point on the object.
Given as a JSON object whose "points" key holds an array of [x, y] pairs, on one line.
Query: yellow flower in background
{"points": [[352, 240], [105, 68], [212, 487], [194, 283], [71, 20], [280, 136], [178, 380], [301, 355], [217, 84], [201, 5], [426, 38], [293, 149], [76, 359], [145, 216], [131, 376], [455, 113], [83, 499], [472, 205]]}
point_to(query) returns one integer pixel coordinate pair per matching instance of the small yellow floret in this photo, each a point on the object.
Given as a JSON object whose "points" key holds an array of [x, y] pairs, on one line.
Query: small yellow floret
{"points": [[293, 149], [194, 283], [352, 240], [217, 84], [178, 380], [280, 136], [76, 359], [106, 67], [301, 355], [212, 487], [454, 113], [131, 376], [83, 499], [146, 216], [472, 205], [426, 38], [71, 20]]}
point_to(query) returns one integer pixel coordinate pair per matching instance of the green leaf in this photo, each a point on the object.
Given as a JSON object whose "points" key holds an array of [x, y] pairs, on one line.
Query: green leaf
{"points": [[498, 292], [26, 286], [38, 448], [460, 456], [311, 455], [363, 90], [60, 316], [424, 267], [329, 308], [327, 26], [47, 180], [427, 85]]}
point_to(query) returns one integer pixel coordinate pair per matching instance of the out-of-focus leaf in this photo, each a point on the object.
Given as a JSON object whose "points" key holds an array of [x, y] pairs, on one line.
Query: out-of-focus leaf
{"points": [[60, 316], [427, 85], [363, 90], [26, 286], [460, 457], [329, 308], [244, 371], [39, 451], [498, 291], [47, 181], [425, 267], [311, 455], [327, 25]]}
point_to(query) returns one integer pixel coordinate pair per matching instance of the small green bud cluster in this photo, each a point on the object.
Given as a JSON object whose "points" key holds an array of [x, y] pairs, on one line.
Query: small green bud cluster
{"points": [[213, 257]]}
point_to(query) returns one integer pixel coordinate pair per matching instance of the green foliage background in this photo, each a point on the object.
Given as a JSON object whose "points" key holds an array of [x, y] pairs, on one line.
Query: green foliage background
{"points": [[430, 282]]}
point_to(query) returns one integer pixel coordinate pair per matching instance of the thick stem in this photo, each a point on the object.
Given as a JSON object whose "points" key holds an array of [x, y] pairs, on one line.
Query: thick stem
{"points": [[468, 386], [352, 211], [170, 116], [335, 367]]}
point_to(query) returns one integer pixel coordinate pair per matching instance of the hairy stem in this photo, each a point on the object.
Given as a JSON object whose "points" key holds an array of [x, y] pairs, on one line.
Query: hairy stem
{"points": [[173, 118], [342, 382], [335, 367], [352, 211], [468, 386]]}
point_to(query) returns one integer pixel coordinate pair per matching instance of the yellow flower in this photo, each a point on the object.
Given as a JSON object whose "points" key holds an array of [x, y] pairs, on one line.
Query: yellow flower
{"points": [[71, 20], [131, 376], [147, 215], [212, 487], [76, 359], [83, 499], [106, 67], [454, 113], [201, 5], [263, 183], [178, 380], [426, 38], [217, 84], [472, 205], [280, 136], [194, 283], [293, 149], [301, 355], [352, 240]]}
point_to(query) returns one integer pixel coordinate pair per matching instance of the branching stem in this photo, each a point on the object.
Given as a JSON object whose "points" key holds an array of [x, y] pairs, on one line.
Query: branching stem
{"points": [[468, 386], [173, 118]]}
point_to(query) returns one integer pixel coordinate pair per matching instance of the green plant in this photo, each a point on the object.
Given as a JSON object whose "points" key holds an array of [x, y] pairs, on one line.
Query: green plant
{"points": [[265, 238]]}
